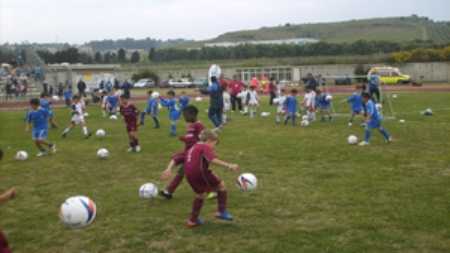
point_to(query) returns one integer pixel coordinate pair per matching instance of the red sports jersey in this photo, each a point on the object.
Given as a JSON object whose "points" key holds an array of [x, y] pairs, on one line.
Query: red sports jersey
{"points": [[129, 113], [192, 135], [196, 168]]}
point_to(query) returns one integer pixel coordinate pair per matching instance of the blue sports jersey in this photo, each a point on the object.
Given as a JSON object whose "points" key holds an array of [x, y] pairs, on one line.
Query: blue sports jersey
{"points": [[322, 101], [45, 104], [38, 118], [184, 102], [372, 112], [355, 100], [374, 81], [67, 94], [291, 104], [112, 101], [171, 104], [152, 107]]}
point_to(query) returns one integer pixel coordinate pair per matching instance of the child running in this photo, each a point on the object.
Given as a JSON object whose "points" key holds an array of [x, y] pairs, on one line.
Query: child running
{"points": [[68, 96], [281, 107], [174, 114], [152, 109], [323, 101], [130, 114], [356, 103], [46, 104], [77, 118], [112, 103], [373, 121], [194, 128], [291, 106], [202, 180], [37, 120]]}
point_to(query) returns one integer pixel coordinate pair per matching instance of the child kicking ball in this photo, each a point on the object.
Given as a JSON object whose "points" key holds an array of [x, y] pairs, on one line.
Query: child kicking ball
{"points": [[373, 121]]}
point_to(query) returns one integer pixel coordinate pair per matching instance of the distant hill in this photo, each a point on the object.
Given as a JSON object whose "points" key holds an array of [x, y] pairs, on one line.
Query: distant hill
{"points": [[397, 29]]}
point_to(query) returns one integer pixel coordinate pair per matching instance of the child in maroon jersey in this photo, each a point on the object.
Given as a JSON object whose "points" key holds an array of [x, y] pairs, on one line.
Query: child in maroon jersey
{"points": [[203, 180], [6, 196], [130, 114], [194, 128]]}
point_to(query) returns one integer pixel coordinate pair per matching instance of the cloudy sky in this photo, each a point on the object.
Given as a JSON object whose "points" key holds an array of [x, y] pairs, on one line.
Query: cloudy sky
{"points": [[78, 21]]}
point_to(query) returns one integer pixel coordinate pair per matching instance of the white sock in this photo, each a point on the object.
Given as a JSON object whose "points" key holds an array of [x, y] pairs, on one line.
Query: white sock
{"points": [[85, 130], [66, 131]]}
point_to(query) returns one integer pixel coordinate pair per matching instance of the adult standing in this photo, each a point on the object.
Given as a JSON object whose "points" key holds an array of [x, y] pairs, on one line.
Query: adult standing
{"points": [[126, 87], [236, 87], [215, 110], [311, 83], [374, 87], [45, 87], [81, 88], [272, 90]]}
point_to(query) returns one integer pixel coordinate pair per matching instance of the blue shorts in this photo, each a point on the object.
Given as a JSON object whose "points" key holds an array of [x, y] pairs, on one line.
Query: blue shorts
{"points": [[174, 115], [374, 124], [39, 134]]}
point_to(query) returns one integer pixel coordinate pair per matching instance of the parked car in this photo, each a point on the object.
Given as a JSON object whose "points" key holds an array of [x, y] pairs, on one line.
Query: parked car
{"points": [[144, 83], [390, 75], [198, 83], [183, 83]]}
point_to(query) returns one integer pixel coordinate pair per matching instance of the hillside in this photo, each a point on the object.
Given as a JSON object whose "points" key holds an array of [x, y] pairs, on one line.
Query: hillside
{"points": [[396, 29]]}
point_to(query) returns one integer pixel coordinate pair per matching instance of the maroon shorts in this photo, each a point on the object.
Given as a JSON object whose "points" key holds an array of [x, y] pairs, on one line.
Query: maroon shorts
{"points": [[4, 244], [179, 158], [132, 127], [203, 182]]}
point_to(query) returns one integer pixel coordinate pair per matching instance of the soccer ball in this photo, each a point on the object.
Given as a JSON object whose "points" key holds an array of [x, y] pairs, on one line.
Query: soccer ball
{"points": [[304, 123], [402, 121], [247, 182], [77, 212], [103, 153], [21, 155], [148, 191], [86, 114], [55, 98], [428, 112], [265, 114], [305, 117], [155, 94], [328, 97], [352, 140], [100, 133], [113, 117], [394, 95], [198, 99]]}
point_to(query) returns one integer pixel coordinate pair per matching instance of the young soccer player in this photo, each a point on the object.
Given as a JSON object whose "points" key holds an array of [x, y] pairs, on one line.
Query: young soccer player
{"points": [[309, 102], [183, 100], [68, 96], [323, 102], [112, 103], [174, 113], [253, 101], [194, 128], [77, 118], [130, 114], [373, 121], [291, 106], [203, 180], [37, 120], [281, 107], [356, 103], [245, 98], [152, 109], [46, 104], [226, 106]]}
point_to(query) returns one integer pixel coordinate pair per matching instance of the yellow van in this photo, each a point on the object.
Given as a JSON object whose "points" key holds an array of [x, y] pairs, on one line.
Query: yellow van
{"points": [[389, 75]]}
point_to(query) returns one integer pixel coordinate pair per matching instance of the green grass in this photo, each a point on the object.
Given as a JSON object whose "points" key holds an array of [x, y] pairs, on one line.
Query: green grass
{"points": [[316, 193]]}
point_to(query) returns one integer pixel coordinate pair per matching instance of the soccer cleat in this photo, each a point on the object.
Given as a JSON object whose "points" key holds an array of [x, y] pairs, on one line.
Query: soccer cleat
{"points": [[130, 150], [193, 224], [363, 143], [64, 135], [390, 140], [225, 215], [212, 195], [167, 195], [53, 148], [41, 154], [137, 149]]}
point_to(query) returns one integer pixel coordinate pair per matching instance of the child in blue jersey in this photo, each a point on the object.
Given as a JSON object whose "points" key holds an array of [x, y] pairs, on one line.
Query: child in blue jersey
{"points": [[291, 105], [112, 103], [183, 100], [356, 103], [373, 121], [37, 120], [152, 109], [323, 102], [46, 104], [174, 113], [68, 96]]}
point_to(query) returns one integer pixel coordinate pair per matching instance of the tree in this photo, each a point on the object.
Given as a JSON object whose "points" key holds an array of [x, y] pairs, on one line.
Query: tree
{"points": [[151, 54], [121, 55], [107, 58], [135, 57], [98, 58]]}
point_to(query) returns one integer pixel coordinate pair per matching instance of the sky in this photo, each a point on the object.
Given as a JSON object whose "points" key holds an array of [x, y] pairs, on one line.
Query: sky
{"points": [[79, 21]]}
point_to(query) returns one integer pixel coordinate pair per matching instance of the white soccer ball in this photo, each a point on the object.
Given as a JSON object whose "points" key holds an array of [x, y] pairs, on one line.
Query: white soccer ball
{"points": [[247, 182], [86, 114], [329, 97], [305, 117], [352, 140], [402, 121], [100, 133], [148, 191], [113, 117], [77, 212], [103, 153], [55, 98], [155, 94], [265, 114], [394, 95], [21, 155], [428, 112], [304, 123], [198, 99]]}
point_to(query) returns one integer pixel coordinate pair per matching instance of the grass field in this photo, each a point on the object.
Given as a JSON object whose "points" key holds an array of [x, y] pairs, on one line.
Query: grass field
{"points": [[316, 193]]}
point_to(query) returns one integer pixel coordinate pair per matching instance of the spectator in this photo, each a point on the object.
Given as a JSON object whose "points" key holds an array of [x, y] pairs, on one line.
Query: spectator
{"points": [[45, 87], [311, 83], [126, 87], [81, 88], [374, 87], [272, 90], [236, 87], [60, 89], [215, 111]]}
